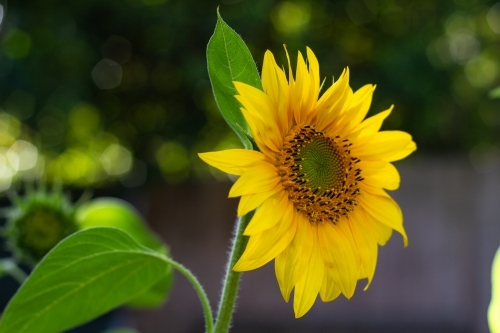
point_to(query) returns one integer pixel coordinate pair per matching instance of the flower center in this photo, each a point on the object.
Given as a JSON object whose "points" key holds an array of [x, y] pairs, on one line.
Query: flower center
{"points": [[319, 174]]}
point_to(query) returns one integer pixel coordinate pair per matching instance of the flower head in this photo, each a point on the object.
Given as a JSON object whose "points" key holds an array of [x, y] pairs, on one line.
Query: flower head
{"points": [[318, 181], [37, 222]]}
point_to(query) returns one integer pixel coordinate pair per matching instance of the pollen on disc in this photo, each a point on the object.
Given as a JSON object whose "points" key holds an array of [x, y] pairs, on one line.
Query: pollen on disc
{"points": [[319, 174]]}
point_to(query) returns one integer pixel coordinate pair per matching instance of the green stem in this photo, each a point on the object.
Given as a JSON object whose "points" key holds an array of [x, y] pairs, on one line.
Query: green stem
{"points": [[209, 320], [11, 268], [232, 278]]}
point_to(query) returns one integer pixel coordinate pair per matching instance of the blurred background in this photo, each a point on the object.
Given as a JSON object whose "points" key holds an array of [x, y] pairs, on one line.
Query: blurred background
{"points": [[115, 96]]}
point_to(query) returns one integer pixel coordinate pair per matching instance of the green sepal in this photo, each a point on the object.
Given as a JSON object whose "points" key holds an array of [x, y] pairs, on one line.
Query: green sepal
{"points": [[113, 212], [230, 60], [84, 276]]}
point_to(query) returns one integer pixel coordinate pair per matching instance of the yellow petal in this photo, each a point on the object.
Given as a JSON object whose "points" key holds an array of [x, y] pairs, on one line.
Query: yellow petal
{"points": [[254, 100], [384, 232], [309, 284], [255, 126], [276, 87], [290, 73], [365, 243], [329, 290], [332, 129], [368, 128], [313, 70], [261, 177], [250, 202], [233, 161], [264, 247], [293, 261], [338, 253], [332, 103], [258, 246], [268, 214], [379, 174], [387, 145], [380, 232], [285, 112], [263, 113], [269, 79], [300, 93], [384, 210], [313, 80], [357, 111]]}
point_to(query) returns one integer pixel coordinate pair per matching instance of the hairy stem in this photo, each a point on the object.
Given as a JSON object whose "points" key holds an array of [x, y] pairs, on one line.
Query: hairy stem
{"points": [[232, 278], [209, 321]]}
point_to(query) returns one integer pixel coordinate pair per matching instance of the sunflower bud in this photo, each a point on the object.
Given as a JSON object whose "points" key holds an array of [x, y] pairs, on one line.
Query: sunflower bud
{"points": [[37, 222]]}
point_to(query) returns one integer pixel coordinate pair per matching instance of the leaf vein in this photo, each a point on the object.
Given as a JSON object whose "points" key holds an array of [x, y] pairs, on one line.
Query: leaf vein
{"points": [[83, 285]]}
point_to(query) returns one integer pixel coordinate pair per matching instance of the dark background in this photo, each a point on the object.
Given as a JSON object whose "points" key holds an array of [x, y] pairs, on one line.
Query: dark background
{"points": [[115, 96]]}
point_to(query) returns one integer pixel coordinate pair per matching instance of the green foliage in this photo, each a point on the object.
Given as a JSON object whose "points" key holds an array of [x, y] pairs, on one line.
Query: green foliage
{"points": [[113, 212], [494, 308], [156, 295], [84, 276], [230, 60]]}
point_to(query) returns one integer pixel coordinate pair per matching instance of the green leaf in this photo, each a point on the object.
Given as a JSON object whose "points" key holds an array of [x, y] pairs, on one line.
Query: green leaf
{"points": [[157, 294], [494, 93], [494, 308], [86, 275], [113, 212], [230, 60]]}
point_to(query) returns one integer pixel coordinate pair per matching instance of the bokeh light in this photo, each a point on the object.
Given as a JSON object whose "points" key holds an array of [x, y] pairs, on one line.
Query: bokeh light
{"points": [[291, 16], [131, 96], [17, 44], [22, 155], [493, 18], [116, 160], [107, 74], [485, 157]]}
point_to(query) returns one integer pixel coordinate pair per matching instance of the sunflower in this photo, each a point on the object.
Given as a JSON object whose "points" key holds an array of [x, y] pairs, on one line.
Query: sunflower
{"points": [[318, 181]]}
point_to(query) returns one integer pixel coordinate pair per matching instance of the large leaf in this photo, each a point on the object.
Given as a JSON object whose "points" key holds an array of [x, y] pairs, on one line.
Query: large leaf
{"points": [[156, 295], [494, 308], [85, 275], [113, 212], [230, 60]]}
